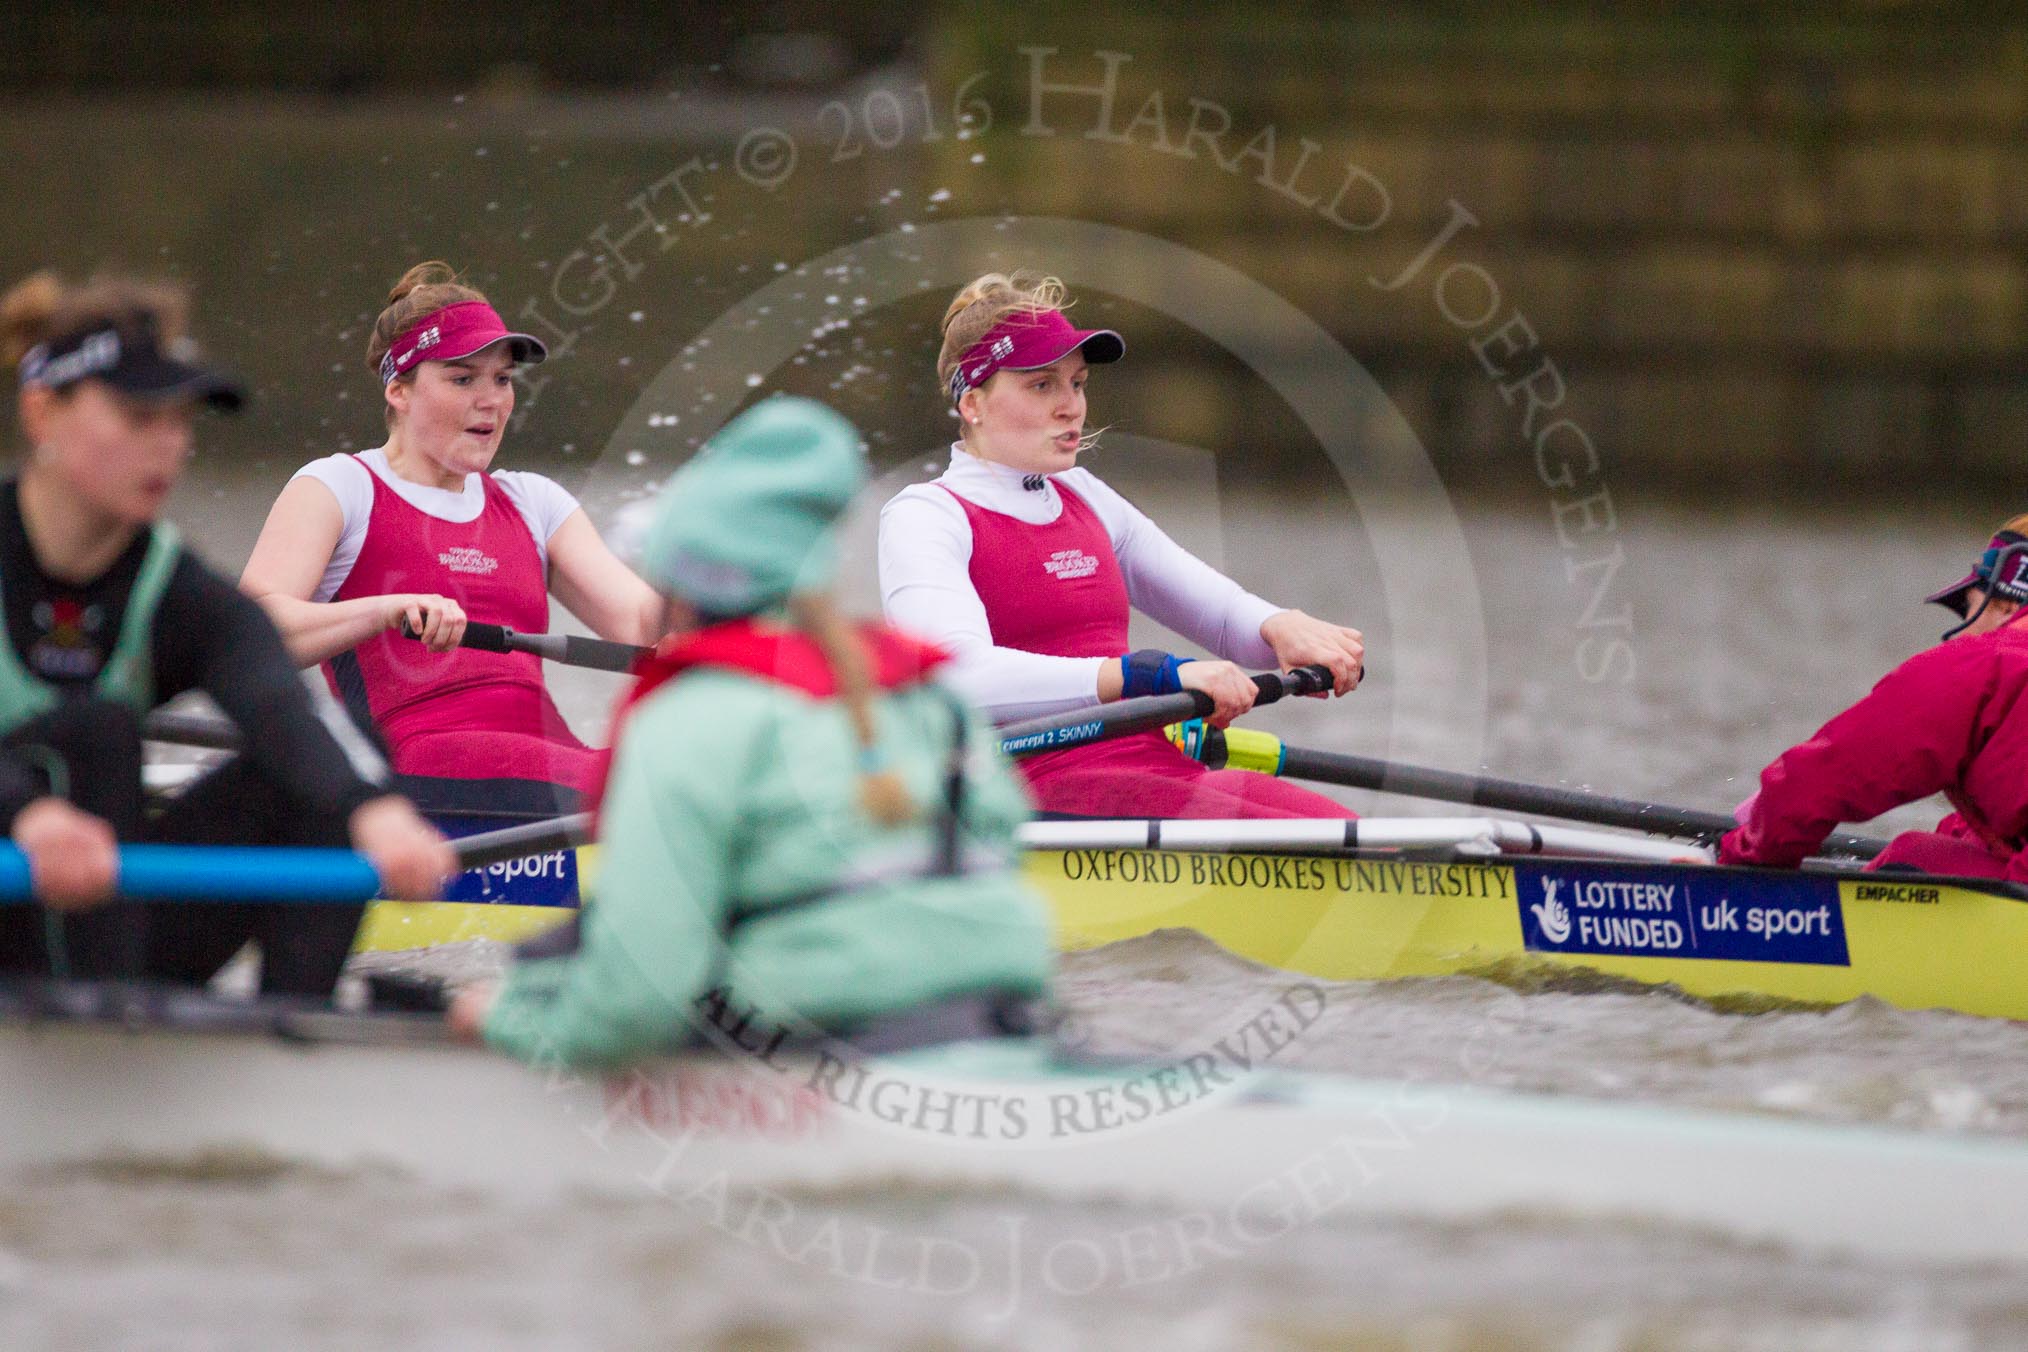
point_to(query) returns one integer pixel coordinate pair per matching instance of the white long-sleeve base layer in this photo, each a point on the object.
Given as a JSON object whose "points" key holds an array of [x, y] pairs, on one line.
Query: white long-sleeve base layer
{"points": [[926, 586]]}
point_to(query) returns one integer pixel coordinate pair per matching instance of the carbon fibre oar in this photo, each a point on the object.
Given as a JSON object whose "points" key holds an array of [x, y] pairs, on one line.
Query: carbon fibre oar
{"points": [[186, 729], [221, 734], [1080, 727], [518, 842], [1248, 749], [571, 650]]}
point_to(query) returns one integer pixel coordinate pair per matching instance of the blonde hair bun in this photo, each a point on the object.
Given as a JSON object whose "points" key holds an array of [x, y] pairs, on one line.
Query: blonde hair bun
{"points": [[423, 289]]}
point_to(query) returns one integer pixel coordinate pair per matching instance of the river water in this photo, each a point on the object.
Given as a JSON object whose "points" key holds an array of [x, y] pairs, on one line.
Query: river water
{"points": [[1742, 631]]}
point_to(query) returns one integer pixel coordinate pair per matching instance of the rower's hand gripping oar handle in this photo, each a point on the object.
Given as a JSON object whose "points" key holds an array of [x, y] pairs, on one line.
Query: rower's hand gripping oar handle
{"points": [[1269, 686], [571, 650], [1079, 727]]}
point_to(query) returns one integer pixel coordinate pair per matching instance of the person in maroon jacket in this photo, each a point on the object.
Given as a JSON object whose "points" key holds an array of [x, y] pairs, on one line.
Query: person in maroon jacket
{"points": [[1952, 719]]}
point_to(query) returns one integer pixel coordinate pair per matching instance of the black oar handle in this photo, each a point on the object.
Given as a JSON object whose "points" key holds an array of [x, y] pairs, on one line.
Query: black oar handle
{"points": [[1274, 685], [1268, 687], [1077, 727], [570, 649], [573, 651]]}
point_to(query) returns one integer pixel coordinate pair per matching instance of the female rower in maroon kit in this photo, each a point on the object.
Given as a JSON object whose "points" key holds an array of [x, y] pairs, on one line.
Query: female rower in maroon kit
{"points": [[1024, 566], [1953, 719], [420, 532]]}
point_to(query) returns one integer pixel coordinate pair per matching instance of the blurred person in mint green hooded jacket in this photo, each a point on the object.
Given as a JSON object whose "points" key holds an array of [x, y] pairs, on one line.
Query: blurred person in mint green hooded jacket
{"points": [[801, 827]]}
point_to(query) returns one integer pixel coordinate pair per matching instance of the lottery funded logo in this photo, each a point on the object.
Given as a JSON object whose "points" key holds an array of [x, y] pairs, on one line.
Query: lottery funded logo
{"points": [[1653, 913], [1551, 914]]}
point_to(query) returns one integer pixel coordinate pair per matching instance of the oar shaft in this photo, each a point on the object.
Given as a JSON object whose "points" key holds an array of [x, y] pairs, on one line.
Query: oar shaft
{"points": [[221, 873], [286, 873], [1449, 786], [517, 842], [1078, 727], [1416, 781], [186, 729]]}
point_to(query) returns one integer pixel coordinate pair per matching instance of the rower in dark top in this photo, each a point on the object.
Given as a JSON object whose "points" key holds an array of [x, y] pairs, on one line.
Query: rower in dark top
{"points": [[107, 614]]}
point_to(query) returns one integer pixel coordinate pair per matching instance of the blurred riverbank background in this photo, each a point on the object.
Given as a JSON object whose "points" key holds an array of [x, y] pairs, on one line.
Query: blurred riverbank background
{"points": [[1749, 250]]}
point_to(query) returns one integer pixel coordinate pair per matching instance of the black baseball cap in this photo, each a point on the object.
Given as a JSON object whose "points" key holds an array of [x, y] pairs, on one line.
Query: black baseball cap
{"points": [[133, 360]]}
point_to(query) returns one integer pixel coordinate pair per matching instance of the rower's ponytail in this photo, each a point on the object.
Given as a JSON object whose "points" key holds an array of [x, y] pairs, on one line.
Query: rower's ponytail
{"points": [[882, 795], [25, 315]]}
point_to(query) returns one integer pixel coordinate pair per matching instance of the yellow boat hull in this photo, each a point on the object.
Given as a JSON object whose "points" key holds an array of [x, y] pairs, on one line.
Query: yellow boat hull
{"points": [[1915, 943], [1918, 943], [395, 926]]}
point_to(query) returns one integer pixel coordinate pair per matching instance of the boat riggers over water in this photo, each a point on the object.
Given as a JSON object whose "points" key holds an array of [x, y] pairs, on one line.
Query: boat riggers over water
{"points": [[1380, 898], [1235, 1152]]}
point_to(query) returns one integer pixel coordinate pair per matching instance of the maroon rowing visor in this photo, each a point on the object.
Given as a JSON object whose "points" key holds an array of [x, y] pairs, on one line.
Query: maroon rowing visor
{"points": [[1028, 342], [2012, 585], [454, 333]]}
